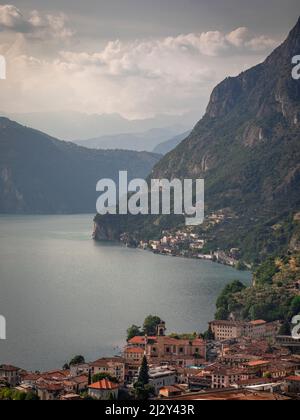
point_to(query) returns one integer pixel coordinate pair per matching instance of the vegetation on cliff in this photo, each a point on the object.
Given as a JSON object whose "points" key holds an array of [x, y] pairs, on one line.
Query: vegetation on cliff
{"points": [[275, 294]]}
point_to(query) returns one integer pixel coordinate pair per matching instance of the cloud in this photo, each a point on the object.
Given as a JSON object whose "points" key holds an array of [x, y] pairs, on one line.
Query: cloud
{"points": [[138, 78], [35, 25]]}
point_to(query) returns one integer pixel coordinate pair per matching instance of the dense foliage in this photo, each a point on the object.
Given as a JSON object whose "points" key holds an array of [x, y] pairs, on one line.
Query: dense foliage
{"points": [[274, 296]]}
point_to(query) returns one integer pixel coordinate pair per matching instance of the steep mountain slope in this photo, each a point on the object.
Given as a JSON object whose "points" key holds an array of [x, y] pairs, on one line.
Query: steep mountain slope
{"points": [[167, 146], [39, 174], [247, 148]]}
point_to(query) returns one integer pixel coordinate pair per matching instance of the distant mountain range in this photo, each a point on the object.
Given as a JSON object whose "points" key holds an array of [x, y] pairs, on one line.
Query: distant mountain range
{"points": [[75, 126], [147, 141], [171, 144], [42, 175], [247, 147]]}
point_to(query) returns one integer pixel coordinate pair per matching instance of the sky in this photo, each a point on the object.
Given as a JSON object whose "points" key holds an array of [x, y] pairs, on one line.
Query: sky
{"points": [[137, 58]]}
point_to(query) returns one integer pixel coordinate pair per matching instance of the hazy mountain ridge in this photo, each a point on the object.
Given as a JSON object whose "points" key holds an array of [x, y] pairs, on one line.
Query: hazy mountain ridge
{"points": [[74, 126], [170, 144], [146, 141], [42, 175]]}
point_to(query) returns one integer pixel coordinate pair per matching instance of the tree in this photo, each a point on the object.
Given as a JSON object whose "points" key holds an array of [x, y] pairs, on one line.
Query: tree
{"points": [[77, 360], [209, 335], [66, 366], [285, 329], [31, 396], [100, 376], [143, 393], [143, 378], [150, 324], [266, 271], [295, 306], [134, 331]]}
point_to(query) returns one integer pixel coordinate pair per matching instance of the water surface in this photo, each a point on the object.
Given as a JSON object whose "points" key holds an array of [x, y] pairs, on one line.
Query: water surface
{"points": [[63, 294]]}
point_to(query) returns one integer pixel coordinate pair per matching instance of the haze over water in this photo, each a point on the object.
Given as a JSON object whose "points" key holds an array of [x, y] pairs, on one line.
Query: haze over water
{"points": [[63, 294]]}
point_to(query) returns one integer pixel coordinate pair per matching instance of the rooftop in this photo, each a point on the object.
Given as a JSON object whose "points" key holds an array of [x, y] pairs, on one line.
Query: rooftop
{"points": [[104, 385]]}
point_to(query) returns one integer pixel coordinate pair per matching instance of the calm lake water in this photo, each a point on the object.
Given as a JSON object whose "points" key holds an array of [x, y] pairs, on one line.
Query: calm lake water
{"points": [[63, 294]]}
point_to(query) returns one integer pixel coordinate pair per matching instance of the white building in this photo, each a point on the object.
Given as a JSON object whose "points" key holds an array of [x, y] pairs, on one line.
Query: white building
{"points": [[161, 377]]}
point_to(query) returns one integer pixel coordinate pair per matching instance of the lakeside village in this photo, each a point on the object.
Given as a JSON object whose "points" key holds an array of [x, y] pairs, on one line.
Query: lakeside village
{"points": [[188, 244], [231, 361]]}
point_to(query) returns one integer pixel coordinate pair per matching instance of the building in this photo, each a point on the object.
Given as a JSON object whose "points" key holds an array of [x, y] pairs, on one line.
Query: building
{"points": [[49, 391], [231, 395], [134, 355], [292, 384], [115, 367], [70, 397], [255, 330], [226, 330], [76, 385], [82, 369], [10, 374], [289, 342], [162, 349], [161, 377], [140, 341], [171, 391], [104, 390], [224, 378]]}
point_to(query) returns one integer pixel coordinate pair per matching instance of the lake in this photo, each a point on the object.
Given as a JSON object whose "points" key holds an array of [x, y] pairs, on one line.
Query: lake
{"points": [[63, 294]]}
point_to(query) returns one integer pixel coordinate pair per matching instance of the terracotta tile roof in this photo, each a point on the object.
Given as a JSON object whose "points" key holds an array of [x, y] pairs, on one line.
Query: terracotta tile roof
{"points": [[9, 368], [104, 385], [31, 377], [293, 378], [141, 339], [256, 363], [258, 322], [50, 386], [55, 375]]}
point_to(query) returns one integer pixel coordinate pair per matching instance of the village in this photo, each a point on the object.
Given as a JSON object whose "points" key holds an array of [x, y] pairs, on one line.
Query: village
{"points": [[233, 360], [187, 243]]}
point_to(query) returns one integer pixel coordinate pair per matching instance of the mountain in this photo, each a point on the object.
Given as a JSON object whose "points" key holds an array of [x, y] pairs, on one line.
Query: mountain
{"points": [[167, 146], [247, 148], [146, 141], [42, 175], [73, 126]]}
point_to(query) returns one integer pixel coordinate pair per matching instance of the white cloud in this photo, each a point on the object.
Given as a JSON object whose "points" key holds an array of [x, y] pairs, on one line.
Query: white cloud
{"points": [[36, 25], [136, 79]]}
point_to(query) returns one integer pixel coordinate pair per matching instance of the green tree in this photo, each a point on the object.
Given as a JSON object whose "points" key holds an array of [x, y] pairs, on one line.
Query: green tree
{"points": [[266, 272], [144, 372], [150, 324], [134, 331], [143, 392], [100, 376], [285, 329], [209, 335], [31, 396], [295, 306], [77, 360]]}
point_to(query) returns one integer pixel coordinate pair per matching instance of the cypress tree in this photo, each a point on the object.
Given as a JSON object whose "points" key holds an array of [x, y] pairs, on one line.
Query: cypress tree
{"points": [[144, 373]]}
